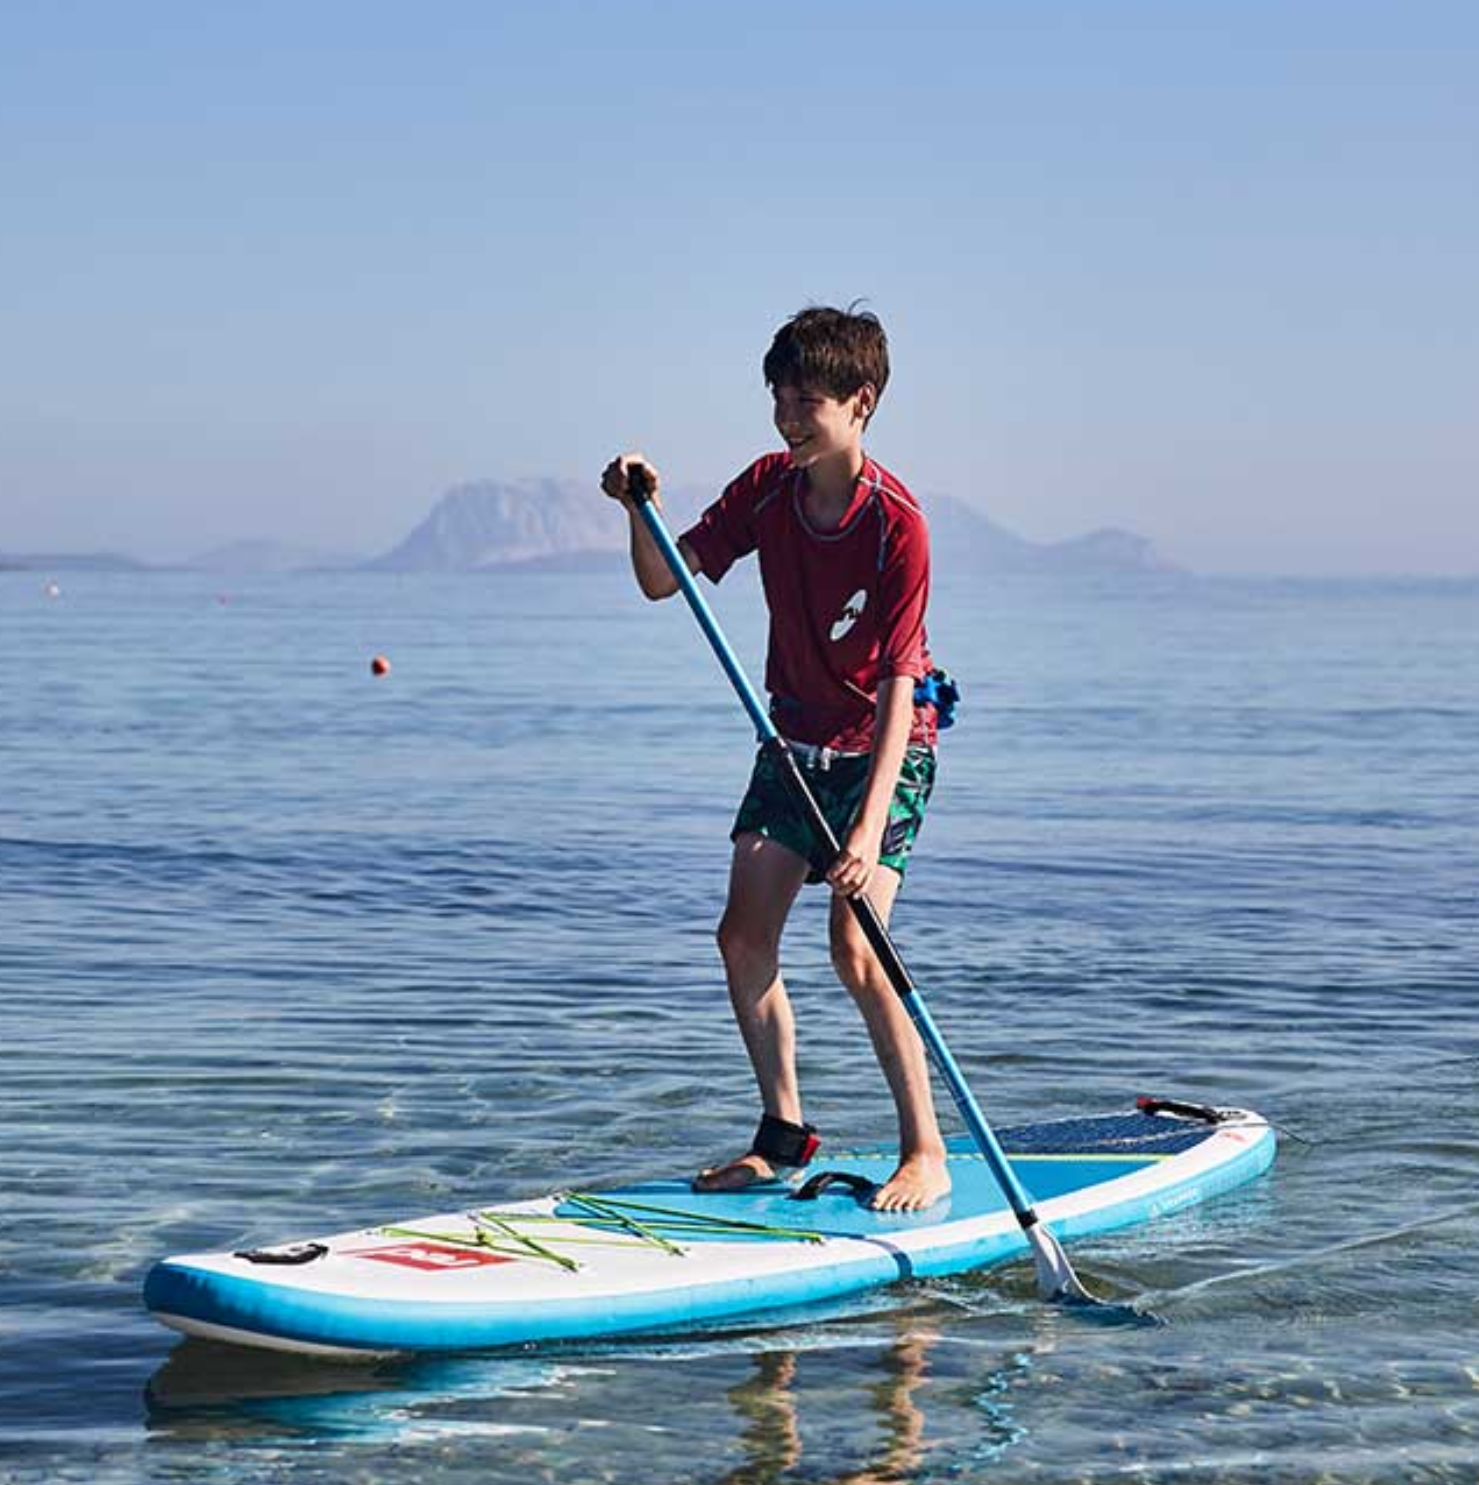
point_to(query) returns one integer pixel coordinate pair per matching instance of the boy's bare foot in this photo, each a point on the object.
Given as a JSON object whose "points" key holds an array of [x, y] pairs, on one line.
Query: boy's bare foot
{"points": [[919, 1182], [735, 1175]]}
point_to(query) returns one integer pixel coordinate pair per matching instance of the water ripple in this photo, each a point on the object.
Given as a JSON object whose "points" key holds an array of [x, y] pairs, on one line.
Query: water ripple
{"points": [[287, 949]]}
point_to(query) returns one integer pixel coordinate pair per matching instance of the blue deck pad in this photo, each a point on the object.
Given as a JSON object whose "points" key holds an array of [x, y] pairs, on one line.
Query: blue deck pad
{"points": [[1050, 1160], [1104, 1134]]}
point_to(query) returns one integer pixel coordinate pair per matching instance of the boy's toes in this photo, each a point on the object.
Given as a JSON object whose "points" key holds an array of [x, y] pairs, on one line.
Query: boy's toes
{"points": [[919, 1182], [736, 1175]]}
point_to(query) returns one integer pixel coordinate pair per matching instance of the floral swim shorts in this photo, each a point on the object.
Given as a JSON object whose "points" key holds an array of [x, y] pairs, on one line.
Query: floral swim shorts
{"points": [[767, 808]]}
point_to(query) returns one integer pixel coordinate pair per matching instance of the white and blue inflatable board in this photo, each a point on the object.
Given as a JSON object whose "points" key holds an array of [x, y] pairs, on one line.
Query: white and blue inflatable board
{"points": [[654, 1255]]}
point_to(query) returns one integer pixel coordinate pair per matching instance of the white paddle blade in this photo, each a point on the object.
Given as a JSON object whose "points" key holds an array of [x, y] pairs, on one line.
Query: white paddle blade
{"points": [[1056, 1279]]}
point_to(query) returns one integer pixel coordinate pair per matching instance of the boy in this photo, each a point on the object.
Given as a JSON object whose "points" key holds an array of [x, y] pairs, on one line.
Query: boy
{"points": [[844, 560]]}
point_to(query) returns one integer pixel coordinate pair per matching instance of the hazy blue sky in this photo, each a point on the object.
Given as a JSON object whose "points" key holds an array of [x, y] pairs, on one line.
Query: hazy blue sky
{"points": [[1204, 270]]}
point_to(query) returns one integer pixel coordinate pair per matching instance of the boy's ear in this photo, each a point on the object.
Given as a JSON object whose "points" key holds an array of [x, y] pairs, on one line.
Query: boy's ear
{"points": [[866, 400]]}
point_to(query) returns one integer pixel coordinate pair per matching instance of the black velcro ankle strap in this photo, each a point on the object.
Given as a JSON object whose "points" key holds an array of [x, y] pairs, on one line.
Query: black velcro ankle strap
{"points": [[783, 1143]]}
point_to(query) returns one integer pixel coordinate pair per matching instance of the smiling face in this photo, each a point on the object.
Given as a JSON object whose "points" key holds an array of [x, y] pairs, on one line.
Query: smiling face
{"points": [[818, 426]]}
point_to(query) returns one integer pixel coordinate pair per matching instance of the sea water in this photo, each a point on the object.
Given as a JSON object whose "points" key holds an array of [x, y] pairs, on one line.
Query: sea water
{"points": [[288, 948]]}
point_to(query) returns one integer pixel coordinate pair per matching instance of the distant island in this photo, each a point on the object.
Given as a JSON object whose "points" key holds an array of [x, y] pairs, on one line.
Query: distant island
{"points": [[502, 525], [496, 525], [70, 562], [264, 555], [510, 523]]}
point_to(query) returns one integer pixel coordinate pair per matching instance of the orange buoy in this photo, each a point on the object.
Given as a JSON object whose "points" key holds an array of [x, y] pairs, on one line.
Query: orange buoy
{"points": [[379, 665]]}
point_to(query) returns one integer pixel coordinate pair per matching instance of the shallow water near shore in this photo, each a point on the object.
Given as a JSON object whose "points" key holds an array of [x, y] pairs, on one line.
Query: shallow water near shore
{"points": [[287, 948]]}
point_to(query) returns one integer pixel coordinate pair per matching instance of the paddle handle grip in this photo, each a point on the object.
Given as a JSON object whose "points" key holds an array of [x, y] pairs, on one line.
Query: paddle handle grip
{"points": [[639, 485]]}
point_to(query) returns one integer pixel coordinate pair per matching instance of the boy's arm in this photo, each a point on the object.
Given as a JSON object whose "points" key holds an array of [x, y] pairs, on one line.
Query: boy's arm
{"points": [[858, 861], [654, 577]]}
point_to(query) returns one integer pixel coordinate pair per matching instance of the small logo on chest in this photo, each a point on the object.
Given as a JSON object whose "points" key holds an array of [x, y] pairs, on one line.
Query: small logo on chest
{"points": [[852, 611]]}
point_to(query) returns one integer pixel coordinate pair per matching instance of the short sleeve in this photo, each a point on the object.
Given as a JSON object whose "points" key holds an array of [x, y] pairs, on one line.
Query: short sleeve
{"points": [[903, 592], [726, 530]]}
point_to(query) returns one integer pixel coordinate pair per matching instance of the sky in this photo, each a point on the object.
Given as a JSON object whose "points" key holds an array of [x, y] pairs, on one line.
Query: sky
{"points": [[1203, 271]]}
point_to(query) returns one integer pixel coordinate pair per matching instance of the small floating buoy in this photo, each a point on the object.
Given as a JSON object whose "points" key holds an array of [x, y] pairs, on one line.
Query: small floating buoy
{"points": [[379, 665], [53, 590]]}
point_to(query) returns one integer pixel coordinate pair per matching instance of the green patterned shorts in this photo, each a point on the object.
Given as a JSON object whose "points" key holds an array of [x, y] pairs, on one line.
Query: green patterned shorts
{"points": [[767, 808]]}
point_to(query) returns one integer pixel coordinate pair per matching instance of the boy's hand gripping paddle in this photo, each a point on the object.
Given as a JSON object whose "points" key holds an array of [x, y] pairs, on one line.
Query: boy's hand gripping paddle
{"points": [[1055, 1276]]}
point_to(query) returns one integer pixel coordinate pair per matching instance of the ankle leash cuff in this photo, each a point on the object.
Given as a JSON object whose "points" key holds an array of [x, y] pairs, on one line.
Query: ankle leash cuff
{"points": [[783, 1143]]}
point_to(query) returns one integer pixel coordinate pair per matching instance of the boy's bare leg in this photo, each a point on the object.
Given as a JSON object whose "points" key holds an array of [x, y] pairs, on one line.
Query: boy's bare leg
{"points": [[764, 879], [922, 1176]]}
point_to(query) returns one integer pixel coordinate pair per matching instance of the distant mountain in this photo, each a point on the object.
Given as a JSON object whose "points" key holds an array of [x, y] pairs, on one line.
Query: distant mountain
{"points": [[265, 556], [1107, 550], [568, 525], [961, 536], [498, 523], [564, 523], [70, 562]]}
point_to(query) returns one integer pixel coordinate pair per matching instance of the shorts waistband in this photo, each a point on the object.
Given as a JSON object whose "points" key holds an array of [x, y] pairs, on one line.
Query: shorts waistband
{"points": [[818, 758]]}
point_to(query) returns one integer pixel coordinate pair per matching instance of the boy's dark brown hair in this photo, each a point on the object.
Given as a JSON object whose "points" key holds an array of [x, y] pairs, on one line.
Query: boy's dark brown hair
{"points": [[833, 350]]}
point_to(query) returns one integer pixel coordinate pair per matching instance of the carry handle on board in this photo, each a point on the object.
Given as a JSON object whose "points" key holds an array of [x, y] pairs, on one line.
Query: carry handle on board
{"points": [[1056, 1278]]}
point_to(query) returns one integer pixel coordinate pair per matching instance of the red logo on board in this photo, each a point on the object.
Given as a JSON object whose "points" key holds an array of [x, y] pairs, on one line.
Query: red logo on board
{"points": [[431, 1258]]}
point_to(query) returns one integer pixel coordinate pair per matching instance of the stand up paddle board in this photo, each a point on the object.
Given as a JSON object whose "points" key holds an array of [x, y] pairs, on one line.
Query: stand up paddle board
{"points": [[654, 1255]]}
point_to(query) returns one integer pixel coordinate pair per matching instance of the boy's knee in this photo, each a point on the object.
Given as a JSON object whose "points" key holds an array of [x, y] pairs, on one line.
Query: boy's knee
{"points": [[744, 946], [852, 957]]}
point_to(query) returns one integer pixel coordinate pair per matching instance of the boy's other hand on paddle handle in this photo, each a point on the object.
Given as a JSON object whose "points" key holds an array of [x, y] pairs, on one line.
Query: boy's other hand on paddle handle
{"points": [[616, 478], [853, 869]]}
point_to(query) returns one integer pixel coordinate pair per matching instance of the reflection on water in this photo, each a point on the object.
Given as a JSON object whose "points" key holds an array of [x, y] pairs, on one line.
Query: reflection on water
{"points": [[943, 1387], [206, 1390], [771, 1401], [835, 1406], [771, 1438]]}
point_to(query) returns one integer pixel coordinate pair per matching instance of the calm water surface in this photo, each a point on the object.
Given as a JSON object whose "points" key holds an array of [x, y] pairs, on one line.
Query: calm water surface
{"points": [[285, 949]]}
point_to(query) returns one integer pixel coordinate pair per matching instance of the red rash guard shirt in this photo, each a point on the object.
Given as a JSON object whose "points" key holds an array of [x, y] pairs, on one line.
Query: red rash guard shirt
{"points": [[846, 606]]}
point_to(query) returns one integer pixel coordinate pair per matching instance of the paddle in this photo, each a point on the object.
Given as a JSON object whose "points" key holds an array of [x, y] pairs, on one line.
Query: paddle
{"points": [[1055, 1276]]}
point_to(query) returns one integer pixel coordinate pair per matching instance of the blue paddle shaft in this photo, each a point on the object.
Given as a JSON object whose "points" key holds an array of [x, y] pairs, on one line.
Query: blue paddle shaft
{"points": [[652, 519], [863, 910]]}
